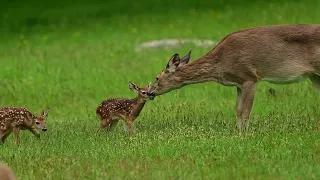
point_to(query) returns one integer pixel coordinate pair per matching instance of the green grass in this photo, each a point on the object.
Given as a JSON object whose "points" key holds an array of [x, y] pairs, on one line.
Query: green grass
{"points": [[70, 56]]}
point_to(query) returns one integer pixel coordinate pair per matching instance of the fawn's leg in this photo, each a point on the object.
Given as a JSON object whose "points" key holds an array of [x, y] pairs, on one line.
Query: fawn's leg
{"points": [[113, 124], [130, 123], [125, 126], [16, 131], [316, 81], [244, 104], [4, 136], [105, 123]]}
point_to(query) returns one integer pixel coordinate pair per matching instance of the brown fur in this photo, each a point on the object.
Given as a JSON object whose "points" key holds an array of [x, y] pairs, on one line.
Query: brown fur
{"points": [[19, 118], [279, 54], [6, 173], [113, 109]]}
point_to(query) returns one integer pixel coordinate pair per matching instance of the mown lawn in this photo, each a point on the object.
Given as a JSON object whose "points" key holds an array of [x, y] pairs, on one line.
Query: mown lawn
{"points": [[69, 56]]}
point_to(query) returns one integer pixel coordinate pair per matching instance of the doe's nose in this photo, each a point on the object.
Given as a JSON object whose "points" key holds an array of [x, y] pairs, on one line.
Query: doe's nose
{"points": [[151, 94], [44, 130]]}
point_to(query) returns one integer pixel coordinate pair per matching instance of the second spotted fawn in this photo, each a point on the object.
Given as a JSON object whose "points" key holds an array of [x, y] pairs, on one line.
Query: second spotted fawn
{"points": [[19, 118], [113, 109]]}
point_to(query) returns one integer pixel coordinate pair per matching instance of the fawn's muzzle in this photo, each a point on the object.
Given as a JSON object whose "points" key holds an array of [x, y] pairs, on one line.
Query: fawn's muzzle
{"points": [[44, 130]]}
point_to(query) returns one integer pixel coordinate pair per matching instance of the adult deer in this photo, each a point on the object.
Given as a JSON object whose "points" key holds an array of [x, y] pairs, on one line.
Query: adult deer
{"points": [[280, 54]]}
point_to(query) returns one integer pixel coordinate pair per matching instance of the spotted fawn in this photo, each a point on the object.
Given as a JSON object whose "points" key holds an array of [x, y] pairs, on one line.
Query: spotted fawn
{"points": [[110, 111], [19, 118]]}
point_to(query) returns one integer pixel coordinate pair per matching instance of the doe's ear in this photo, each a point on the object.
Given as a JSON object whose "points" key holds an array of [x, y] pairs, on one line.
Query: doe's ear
{"points": [[185, 59], [133, 87], [45, 112], [173, 63]]}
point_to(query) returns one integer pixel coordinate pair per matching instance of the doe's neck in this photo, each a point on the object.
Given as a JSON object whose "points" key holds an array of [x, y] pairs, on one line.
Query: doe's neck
{"points": [[204, 69]]}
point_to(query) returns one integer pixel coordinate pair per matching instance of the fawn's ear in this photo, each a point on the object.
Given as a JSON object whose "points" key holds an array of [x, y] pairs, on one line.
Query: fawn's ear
{"points": [[45, 112], [173, 63], [185, 59], [133, 87], [149, 86]]}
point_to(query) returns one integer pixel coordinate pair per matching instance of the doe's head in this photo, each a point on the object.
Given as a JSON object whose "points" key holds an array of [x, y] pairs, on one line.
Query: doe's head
{"points": [[142, 92], [166, 80], [40, 121]]}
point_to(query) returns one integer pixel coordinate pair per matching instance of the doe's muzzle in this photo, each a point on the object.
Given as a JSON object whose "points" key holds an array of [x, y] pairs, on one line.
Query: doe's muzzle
{"points": [[151, 95]]}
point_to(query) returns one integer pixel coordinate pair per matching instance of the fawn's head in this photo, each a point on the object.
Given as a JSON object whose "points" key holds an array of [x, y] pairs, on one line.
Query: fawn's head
{"points": [[165, 81], [142, 92], [40, 121]]}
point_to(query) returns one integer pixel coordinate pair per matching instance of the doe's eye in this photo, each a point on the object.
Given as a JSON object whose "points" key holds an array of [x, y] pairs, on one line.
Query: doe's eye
{"points": [[157, 78]]}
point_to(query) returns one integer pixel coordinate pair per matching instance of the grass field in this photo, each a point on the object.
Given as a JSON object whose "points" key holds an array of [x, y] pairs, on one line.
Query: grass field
{"points": [[70, 56]]}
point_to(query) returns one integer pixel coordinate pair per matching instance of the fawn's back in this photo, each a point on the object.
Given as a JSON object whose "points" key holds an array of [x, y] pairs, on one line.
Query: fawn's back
{"points": [[15, 116], [116, 107]]}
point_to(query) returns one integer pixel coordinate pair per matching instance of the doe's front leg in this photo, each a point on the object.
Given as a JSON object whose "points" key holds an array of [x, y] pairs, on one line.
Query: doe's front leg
{"points": [[239, 108], [244, 104]]}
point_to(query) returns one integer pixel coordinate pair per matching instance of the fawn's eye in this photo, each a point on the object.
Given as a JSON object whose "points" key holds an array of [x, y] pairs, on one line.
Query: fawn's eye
{"points": [[37, 123], [144, 93], [157, 78]]}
